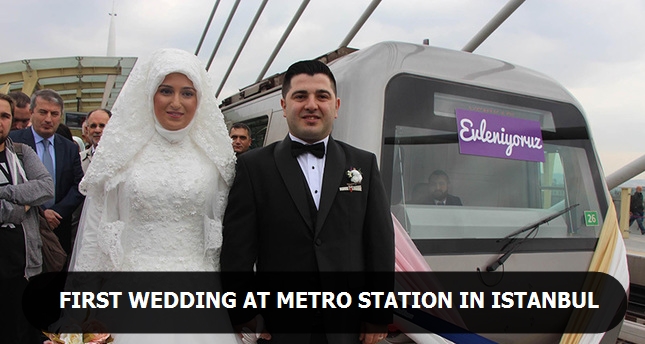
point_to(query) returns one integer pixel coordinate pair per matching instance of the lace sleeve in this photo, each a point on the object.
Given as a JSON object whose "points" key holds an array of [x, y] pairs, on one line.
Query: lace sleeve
{"points": [[213, 226], [98, 241]]}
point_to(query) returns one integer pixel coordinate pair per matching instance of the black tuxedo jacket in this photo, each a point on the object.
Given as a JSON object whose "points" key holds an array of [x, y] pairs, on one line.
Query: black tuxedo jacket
{"points": [[68, 174], [269, 222]]}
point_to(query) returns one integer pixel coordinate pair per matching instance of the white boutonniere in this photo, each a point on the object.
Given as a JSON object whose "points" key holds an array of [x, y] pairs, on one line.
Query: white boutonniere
{"points": [[355, 178]]}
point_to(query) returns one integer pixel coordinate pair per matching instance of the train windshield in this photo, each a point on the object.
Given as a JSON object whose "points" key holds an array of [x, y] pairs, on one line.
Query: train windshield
{"points": [[466, 166]]}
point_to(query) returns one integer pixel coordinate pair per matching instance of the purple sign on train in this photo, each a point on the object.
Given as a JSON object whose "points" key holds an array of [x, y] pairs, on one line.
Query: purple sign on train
{"points": [[497, 136]]}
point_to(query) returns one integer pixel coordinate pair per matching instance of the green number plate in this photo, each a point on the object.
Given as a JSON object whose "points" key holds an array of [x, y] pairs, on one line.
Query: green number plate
{"points": [[591, 218]]}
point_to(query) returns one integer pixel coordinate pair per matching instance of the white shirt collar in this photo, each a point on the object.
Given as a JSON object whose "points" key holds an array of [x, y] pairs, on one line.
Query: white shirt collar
{"points": [[39, 138]]}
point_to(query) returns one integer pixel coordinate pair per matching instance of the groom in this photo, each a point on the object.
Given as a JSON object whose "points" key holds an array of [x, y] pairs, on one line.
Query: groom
{"points": [[307, 204]]}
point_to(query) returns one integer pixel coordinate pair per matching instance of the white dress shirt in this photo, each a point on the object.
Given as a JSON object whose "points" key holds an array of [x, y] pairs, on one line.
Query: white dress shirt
{"points": [[313, 168]]}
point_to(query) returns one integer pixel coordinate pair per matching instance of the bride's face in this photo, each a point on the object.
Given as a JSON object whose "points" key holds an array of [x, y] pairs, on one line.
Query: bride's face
{"points": [[175, 102]]}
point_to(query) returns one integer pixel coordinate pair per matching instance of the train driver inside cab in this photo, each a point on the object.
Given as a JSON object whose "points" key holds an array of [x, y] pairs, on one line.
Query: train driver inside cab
{"points": [[439, 187]]}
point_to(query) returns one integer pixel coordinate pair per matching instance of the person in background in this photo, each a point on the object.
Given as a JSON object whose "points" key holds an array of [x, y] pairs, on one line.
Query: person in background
{"points": [[85, 135], [25, 184], [93, 127], [96, 121], [240, 133], [60, 157], [21, 113], [64, 131], [636, 208], [438, 190]]}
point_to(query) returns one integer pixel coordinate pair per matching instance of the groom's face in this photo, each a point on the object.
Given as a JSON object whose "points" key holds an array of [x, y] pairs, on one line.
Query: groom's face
{"points": [[310, 107]]}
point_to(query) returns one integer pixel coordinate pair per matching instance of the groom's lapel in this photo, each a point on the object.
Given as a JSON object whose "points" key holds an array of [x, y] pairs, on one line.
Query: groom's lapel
{"points": [[293, 178], [332, 177]]}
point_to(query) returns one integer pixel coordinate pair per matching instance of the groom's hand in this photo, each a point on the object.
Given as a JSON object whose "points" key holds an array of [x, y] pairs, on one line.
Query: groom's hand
{"points": [[372, 333]]}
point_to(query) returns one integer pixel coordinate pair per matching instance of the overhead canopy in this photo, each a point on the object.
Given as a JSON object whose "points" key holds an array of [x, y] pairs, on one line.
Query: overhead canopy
{"points": [[85, 83]]}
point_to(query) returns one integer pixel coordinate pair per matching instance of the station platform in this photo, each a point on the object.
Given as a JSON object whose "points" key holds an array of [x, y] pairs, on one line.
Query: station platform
{"points": [[633, 328], [635, 245]]}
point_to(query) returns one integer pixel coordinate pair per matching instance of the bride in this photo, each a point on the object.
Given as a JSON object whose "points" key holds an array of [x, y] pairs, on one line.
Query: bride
{"points": [[158, 183]]}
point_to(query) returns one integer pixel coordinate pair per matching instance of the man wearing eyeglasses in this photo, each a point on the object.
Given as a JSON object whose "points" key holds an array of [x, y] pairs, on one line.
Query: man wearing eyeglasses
{"points": [[96, 122]]}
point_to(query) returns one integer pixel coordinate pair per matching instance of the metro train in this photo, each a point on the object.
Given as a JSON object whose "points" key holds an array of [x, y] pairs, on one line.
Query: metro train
{"points": [[514, 143]]}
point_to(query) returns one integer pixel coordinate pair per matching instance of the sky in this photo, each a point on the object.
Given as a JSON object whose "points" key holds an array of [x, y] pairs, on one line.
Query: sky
{"points": [[594, 48]]}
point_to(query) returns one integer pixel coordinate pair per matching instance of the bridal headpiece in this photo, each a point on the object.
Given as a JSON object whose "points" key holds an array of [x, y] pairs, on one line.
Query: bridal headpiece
{"points": [[133, 121]]}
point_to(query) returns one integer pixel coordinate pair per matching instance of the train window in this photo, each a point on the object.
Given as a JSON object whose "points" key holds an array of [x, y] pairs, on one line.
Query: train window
{"points": [[446, 104], [441, 189]]}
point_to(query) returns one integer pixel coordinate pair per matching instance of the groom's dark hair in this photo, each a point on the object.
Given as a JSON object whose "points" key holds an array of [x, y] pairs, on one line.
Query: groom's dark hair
{"points": [[309, 67]]}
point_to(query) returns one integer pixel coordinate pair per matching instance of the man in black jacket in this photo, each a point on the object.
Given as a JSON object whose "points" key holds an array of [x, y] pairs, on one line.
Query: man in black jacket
{"points": [[297, 210], [636, 208], [437, 192]]}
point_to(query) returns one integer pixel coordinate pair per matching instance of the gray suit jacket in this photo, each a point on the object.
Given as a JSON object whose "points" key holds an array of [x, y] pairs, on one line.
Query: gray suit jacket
{"points": [[35, 191]]}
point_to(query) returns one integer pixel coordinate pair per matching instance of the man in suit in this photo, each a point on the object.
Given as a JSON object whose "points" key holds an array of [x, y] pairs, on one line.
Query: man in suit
{"points": [[240, 134], [60, 157], [24, 183], [438, 190], [96, 121], [636, 208], [308, 204]]}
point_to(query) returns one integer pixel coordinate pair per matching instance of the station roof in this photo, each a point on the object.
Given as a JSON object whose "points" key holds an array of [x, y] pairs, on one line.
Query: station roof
{"points": [[84, 82]]}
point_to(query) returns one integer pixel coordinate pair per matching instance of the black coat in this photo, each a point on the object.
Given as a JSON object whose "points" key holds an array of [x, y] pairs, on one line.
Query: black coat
{"points": [[636, 203], [269, 220], [450, 200]]}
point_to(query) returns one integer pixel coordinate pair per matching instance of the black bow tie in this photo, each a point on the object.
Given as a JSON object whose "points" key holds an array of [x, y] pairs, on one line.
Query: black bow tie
{"points": [[318, 149]]}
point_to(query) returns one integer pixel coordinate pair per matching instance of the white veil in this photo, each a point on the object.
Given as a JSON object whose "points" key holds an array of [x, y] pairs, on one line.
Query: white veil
{"points": [[133, 120], [131, 127]]}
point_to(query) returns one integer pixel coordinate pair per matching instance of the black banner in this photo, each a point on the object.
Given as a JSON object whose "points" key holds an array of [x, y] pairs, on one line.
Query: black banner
{"points": [[440, 302]]}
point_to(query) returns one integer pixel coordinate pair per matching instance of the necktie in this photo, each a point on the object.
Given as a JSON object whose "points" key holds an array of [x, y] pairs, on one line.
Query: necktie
{"points": [[49, 165], [318, 150]]}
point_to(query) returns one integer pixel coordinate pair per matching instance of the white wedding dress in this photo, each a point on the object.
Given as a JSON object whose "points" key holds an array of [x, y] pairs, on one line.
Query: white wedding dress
{"points": [[155, 197], [164, 200], [165, 222]]}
